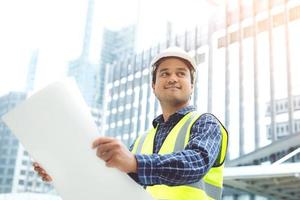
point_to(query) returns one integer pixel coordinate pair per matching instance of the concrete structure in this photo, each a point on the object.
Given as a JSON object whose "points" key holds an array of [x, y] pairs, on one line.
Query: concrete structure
{"points": [[84, 72], [246, 64], [9, 145], [32, 71], [116, 45], [16, 171], [85, 75]]}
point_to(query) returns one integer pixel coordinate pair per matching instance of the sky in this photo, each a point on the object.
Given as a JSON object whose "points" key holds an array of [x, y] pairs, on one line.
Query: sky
{"points": [[56, 29], [53, 27]]}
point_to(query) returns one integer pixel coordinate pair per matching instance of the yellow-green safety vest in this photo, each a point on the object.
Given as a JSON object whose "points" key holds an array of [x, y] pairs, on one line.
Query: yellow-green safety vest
{"points": [[209, 187]]}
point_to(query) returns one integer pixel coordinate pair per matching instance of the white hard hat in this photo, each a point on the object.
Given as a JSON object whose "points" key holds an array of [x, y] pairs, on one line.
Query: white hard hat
{"points": [[174, 52]]}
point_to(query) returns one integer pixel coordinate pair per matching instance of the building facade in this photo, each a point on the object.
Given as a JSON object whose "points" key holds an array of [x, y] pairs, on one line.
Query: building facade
{"points": [[83, 71], [228, 78], [31, 74], [247, 77], [16, 171], [116, 45]]}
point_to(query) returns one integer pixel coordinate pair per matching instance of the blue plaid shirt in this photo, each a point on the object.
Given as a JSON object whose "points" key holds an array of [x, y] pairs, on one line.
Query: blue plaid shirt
{"points": [[184, 167]]}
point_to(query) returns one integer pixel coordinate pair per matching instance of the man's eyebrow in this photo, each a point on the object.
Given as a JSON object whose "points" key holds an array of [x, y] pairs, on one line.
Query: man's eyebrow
{"points": [[163, 70], [182, 69], [179, 68]]}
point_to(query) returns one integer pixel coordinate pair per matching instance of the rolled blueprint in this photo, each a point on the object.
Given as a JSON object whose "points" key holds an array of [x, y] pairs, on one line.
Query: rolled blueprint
{"points": [[56, 127]]}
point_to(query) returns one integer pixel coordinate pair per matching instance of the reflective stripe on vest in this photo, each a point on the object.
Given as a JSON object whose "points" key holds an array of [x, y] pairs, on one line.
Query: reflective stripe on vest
{"points": [[209, 187]]}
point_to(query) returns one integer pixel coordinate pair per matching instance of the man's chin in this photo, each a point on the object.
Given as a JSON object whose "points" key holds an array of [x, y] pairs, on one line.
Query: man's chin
{"points": [[176, 101]]}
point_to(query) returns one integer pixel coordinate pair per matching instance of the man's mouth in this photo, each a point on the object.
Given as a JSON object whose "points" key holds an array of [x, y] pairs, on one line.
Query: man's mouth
{"points": [[172, 87]]}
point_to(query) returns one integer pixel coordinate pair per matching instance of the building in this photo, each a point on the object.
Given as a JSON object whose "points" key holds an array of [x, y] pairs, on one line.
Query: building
{"points": [[85, 75], [282, 122], [83, 71], [247, 66], [116, 45], [32, 71], [16, 171], [9, 144]]}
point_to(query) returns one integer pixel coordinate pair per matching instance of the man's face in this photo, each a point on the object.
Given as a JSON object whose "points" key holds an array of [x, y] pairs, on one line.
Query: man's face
{"points": [[173, 82]]}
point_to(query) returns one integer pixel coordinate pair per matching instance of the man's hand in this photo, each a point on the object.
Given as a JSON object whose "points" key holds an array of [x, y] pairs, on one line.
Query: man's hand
{"points": [[41, 172], [115, 154]]}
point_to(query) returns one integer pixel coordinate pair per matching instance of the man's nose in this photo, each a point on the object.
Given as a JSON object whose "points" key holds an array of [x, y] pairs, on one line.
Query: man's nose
{"points": [[173, 78]]}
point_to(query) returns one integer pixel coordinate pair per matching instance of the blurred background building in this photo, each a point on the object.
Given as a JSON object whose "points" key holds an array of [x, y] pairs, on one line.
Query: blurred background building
{"points": [[16, 172], [247, 66], [81, 69], [116, 45]]}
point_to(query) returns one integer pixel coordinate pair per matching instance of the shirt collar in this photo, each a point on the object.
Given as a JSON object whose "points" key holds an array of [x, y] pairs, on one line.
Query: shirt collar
{"points": [[181, 112]]}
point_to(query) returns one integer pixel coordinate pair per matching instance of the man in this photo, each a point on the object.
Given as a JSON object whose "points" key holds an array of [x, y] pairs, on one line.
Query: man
{"points": [[182, 156]]}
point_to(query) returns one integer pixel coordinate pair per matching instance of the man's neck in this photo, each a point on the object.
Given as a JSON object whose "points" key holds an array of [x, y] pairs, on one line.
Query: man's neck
{"points": [[168, 110]]}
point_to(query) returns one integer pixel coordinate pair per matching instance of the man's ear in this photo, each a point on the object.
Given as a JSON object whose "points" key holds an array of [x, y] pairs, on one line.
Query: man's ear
{"points": [[153, 84]]}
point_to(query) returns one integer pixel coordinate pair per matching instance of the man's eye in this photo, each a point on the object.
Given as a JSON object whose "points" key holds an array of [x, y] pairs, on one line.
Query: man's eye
{"points": [[181, 74], [164, 74]]}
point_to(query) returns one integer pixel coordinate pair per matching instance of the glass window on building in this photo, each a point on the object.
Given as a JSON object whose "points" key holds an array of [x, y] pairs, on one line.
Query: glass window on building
{"points": [[277, 108], [282, 130], [12, 161], [13, 151], [15, 142], [31, 173], [21, 182], [8, 181], [3, 152], [3, 161], [10, 171], [5, 142]]}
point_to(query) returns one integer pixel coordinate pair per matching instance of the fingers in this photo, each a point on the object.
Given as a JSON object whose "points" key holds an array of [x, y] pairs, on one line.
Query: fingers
{"points": [[102, 140], [108, 150], [35, 164], [37, 167], [41, 172], [115, 154], [106, 156], [47, 178], [109, 163], [108, 147]]}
